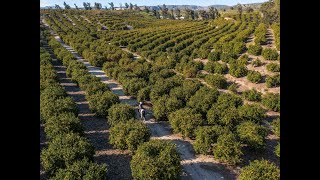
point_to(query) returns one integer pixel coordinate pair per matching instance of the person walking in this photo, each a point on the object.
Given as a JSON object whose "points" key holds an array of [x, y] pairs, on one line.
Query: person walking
{"points": [[140, 106], [143, 114]]}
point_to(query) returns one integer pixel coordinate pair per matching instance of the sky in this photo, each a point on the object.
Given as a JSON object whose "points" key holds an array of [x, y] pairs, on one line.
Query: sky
{"points": [[104, 3]]}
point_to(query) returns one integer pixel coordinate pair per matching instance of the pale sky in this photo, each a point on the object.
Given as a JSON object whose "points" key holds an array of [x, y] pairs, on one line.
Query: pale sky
{"points": [[148, 2]]}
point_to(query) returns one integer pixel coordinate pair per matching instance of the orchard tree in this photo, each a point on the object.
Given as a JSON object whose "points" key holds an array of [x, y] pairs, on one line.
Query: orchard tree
{"points": [[102, 101], [273, 81], [156, 159], [273, 67], [259, 169], [238, 70], [228, 149], [276, 126], [203, 99], [272, 101], [254, 77], [63, 124], [206, 136], [120, 113], [164, 105], [270, 54], [82, 169], [252, 112], [252, 95], [216, 80], [64, 150], [255, 49], [185, 121], [256, 63], [252, 134], [129, 135]]}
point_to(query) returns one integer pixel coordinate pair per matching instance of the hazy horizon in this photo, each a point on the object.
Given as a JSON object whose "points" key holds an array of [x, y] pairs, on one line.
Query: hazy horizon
{"points": [[104, 3]]}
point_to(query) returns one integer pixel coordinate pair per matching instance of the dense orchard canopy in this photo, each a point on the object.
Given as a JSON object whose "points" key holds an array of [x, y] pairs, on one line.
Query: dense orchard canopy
{"points": [[260, 169], [181, 67], [149, 159]]}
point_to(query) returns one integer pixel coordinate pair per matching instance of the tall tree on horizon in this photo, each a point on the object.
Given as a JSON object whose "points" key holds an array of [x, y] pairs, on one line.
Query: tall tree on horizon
{"points": [[126, 5], [111, 5], [213, 13], [131, 6], [97, 6], [136, 7], [146, 9], [239, 8], [66, 6], [56, 6], [270, 11], [76, 6], [178, 11], [203, 14]]}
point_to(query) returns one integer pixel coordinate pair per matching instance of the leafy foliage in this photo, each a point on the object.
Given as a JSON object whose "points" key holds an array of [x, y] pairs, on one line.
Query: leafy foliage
{"points": [[276, 126], [270, 54], [259, 169], [185, 121], [101, 102], [203, 99], [255, 49], [120, 113], [216, 80], [272, 101], [82, 169], [273, 67], [206, 136], [252, 134], [252, 95], [228, 149], [129, 134], [156, 159], [273, 81], [64, 150], [252, 112], [238, 70]]}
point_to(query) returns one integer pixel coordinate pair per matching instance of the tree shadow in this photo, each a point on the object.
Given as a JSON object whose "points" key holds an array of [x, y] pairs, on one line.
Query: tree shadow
{"points": [[118, 92], [119, 168], [267, 153], [215, 171]]}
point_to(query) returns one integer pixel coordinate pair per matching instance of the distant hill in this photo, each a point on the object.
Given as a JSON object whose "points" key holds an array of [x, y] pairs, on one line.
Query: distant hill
{"points": [[193, 7], [253, 5]]}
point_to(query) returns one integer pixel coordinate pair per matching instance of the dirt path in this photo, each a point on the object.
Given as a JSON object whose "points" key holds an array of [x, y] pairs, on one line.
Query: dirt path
{"points": [[85, 18], [96, 130], [69, 19], [194, 167]]}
